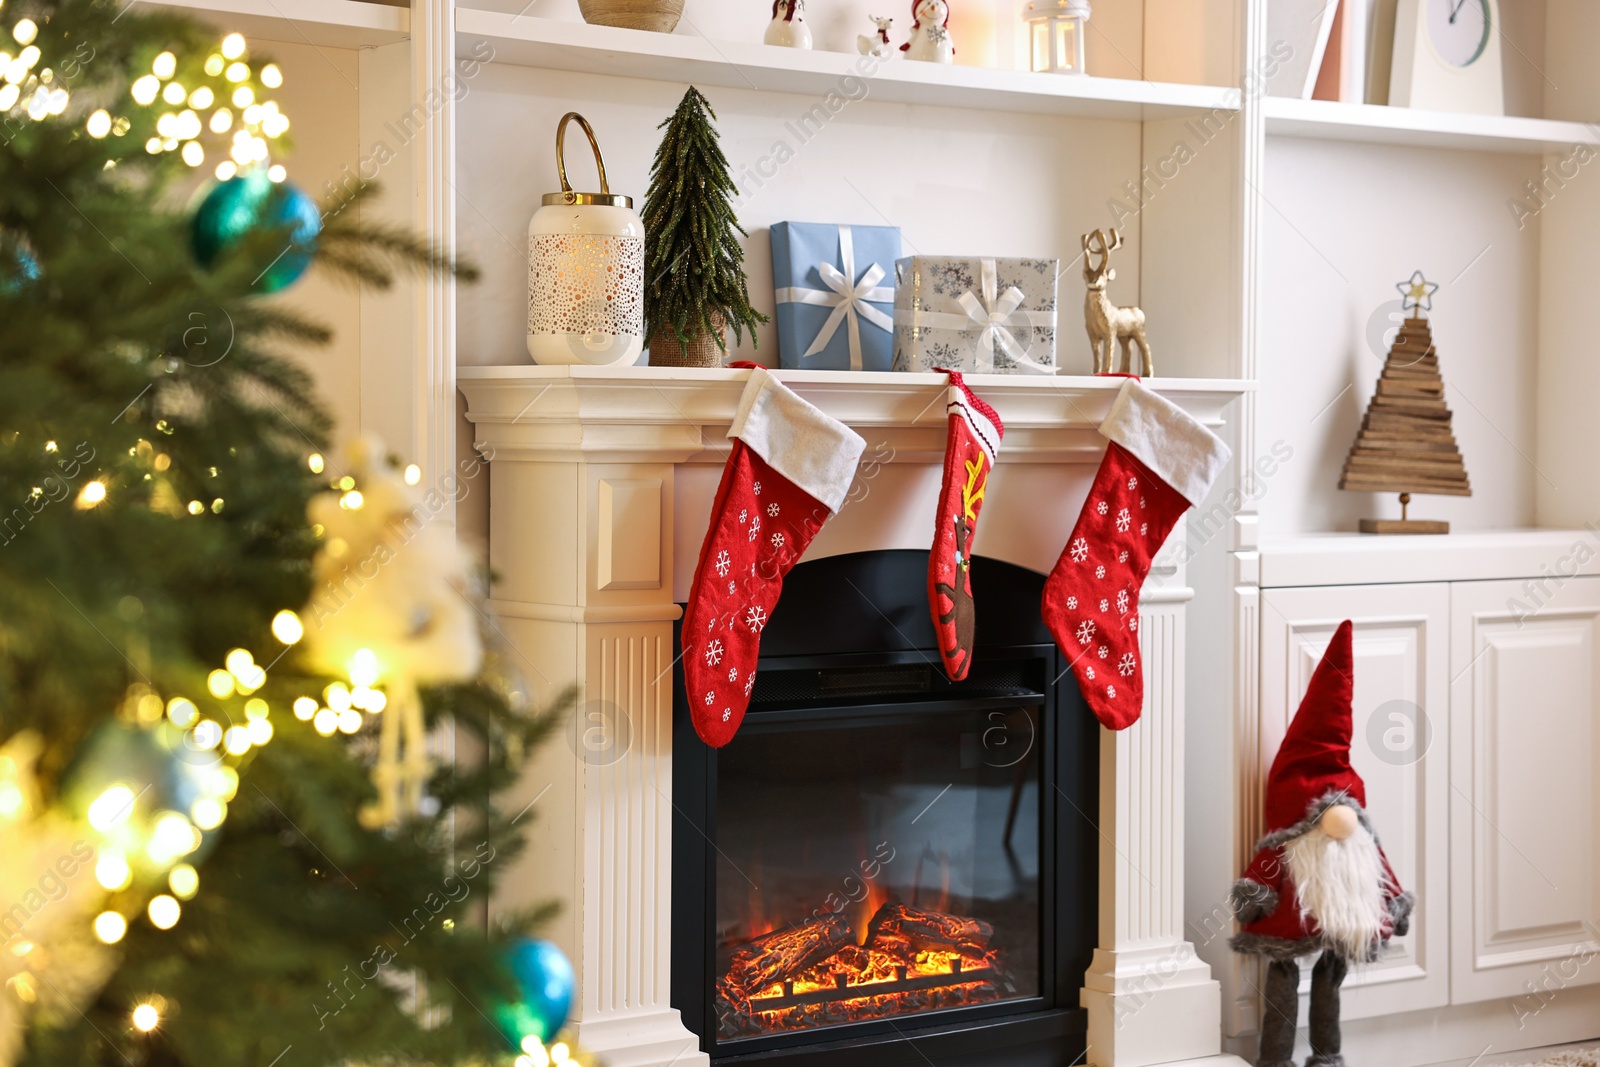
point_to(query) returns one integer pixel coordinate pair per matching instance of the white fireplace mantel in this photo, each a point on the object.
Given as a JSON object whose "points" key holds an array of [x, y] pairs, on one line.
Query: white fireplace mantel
{"points": [[600, 485]]}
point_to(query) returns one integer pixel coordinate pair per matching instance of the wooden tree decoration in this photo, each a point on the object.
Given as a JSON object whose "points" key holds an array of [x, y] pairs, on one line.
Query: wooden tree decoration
{"points": [[694, 266], [1406, 444]]}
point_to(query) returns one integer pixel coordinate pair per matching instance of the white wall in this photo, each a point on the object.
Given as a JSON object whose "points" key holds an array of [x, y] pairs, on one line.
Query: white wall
{"points": [[956, 182], [1341, 224], [320, 95]]}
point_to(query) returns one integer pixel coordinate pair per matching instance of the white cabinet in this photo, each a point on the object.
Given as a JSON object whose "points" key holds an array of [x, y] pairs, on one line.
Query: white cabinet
{"points": [[1525, 805], [1476, 706], [1400, 748]]}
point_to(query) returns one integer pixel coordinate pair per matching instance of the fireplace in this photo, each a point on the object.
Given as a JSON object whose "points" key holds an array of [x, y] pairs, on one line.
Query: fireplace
{"points": [[881, 853]]}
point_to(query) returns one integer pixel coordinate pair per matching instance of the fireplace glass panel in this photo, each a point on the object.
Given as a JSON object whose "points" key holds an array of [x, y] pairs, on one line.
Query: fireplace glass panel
{"points": [[874, 864]]}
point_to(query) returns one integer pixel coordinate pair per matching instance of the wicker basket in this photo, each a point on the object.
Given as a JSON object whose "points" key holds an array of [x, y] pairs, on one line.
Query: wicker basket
{"points": [[659, 15], [701, 351]]}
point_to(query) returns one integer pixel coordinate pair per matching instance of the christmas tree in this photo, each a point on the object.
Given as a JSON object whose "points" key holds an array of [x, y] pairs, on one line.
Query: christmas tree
{"points": [[220, 644], [694, 267]]}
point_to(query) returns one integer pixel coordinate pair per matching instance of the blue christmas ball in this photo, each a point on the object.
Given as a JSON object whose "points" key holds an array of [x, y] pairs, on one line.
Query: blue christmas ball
{"points": [[546, 981], [247, 203]]}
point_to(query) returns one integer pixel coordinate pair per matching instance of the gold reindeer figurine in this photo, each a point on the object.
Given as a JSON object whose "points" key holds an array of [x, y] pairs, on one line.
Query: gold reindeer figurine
{"points": [[1104, 320]]}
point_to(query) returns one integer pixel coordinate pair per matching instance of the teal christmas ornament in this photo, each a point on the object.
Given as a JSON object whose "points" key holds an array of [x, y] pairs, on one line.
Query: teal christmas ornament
{"points": [[546, 980], [248, 203]]}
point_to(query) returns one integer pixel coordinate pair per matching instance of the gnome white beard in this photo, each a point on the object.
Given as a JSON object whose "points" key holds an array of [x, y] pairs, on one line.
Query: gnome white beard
{"points": [[1339, 885]]}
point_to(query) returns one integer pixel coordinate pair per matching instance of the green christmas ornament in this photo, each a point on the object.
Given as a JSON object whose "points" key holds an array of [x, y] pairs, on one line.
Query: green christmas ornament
{"points": [[248, 203]]}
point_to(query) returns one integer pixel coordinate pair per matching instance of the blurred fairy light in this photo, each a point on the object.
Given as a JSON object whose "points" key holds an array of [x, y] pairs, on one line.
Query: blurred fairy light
{"points": [[25, 31], [315, 462], [305, 708], [110, 927], [112, 871], [164, 912], [111, 808], [184, 881], [145, 1017], [165, 65], [287, 627], [233, 46]]}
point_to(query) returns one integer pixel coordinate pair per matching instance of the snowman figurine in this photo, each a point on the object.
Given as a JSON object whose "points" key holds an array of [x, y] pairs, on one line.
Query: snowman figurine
{"points": [[788, 27], [930, 32]]}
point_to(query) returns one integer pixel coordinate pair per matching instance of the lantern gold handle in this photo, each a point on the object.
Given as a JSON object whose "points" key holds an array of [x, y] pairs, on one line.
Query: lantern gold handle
{"points": [[561, 161]]}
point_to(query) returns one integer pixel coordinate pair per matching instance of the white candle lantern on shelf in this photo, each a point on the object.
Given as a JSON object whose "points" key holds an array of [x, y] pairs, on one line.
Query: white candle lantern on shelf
{"points": [[1055, 35], [585, 271]]}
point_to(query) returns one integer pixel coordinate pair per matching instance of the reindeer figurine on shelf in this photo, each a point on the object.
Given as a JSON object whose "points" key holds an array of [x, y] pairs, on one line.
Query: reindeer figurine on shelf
{"points": [[877, 44], [1105, 321]]}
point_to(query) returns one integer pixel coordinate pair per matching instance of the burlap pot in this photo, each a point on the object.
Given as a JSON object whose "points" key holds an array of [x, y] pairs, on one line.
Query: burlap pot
{"points": [[701, 351]]}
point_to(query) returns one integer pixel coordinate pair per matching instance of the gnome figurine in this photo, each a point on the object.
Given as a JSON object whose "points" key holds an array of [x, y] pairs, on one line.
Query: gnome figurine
{"points": [[1319, 880]]}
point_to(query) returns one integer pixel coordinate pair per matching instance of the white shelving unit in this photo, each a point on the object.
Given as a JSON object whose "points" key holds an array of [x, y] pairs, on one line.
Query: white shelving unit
{"points": [[552, 44], [325, 23], [1373, 124]]}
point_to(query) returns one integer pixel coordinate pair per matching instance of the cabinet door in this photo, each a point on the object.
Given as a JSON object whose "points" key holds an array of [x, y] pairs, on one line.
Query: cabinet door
{"points": [[1525, 785], [1400, 748]]}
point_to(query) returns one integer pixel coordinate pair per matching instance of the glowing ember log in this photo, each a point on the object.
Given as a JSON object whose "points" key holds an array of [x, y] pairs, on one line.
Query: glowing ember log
{"points": [[929, 931], [783, 954]]}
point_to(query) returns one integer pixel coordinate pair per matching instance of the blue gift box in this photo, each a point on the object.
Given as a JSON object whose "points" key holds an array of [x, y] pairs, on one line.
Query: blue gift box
{"points": [[835, 295]]}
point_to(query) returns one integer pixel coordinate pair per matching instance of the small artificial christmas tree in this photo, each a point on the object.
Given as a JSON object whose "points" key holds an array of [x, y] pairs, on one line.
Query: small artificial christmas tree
{"points": [[693, 265], [199, 863]]}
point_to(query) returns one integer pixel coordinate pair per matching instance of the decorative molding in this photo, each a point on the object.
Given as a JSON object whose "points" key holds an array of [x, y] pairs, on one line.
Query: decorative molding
{"points": [[433, 48], [628, 525], [680, 416]]}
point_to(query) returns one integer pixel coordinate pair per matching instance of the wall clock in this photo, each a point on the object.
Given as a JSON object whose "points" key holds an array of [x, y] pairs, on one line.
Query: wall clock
{"points": [[1447, 56]]}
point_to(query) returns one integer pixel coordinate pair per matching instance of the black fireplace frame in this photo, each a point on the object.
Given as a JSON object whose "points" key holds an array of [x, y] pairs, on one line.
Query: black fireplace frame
{"points": [[875, 607]]}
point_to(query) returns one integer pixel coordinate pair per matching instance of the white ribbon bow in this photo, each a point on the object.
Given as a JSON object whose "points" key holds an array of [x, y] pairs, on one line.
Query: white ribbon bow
{"points": [[990, 312], [849, 300]]}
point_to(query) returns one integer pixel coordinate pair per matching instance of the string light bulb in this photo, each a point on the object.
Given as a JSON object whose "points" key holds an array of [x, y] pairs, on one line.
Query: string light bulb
{"points": [[287, 627], [315, 462], [174, 93], [145, 89], [99, 124], [25, 31], [92, 495], [110, 927], [146, 1018], [164, 912], [304, 708], [202, 98], [165, 65], [271, 76], [326, 722], [363, 667], [111, 807], [233, 46], [111, 870], [184, 881]]}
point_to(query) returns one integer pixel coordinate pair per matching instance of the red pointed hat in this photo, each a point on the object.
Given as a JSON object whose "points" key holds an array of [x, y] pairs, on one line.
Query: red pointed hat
{"points": [[1314, 759]]}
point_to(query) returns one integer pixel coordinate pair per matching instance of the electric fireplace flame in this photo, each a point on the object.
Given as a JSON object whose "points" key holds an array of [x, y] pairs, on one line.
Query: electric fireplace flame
{"points": [[827, 970]]}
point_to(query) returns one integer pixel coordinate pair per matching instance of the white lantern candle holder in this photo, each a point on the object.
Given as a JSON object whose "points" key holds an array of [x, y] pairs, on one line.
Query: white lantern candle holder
{"points": [[1055, 35], [585, 271]]}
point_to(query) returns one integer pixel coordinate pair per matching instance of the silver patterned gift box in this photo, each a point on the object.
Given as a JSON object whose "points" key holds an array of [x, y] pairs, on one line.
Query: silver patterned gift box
{"points": [[975, 314]]}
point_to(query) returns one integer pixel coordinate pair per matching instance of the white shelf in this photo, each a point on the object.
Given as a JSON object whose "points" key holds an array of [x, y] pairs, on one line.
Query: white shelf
{"points": [[581, 48], [1375, 124], [328, 23], [1369, 559]]}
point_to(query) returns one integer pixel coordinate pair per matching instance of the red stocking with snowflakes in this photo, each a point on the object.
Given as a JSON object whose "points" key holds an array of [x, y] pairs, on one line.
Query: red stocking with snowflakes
{"points": [[1160, 462], [789, 471], [971, 441]]}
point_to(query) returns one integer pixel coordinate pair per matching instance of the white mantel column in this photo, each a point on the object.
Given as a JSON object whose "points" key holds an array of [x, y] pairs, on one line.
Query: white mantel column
{"points": [[581, 539], [1151, 999]]}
